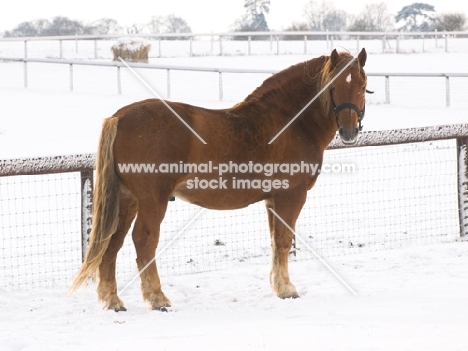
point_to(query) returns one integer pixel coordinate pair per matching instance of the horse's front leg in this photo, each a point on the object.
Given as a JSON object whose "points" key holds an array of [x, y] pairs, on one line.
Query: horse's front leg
{"points": [[282, 216]]}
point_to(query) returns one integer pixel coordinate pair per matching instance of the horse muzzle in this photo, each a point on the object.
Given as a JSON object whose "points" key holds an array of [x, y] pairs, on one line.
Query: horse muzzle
{"points": [[348, 136]]}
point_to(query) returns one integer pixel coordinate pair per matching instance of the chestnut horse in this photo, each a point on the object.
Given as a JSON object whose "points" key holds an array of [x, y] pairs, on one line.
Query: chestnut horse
{"points": [[313, 99]]}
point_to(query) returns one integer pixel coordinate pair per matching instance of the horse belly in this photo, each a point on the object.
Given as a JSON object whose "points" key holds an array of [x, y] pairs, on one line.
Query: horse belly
{"points": [[217, 195]]}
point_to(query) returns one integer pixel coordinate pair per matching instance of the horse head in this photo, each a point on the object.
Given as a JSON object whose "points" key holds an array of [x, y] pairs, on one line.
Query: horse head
{"points": [[347, 93]]}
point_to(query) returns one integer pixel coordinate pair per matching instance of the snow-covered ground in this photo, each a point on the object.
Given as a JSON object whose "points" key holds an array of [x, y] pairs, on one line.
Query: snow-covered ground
{"points": [[410, 298]]}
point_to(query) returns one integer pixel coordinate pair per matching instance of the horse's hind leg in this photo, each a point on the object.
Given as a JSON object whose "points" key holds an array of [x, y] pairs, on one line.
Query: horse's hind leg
{"points": [[146, 237], [286, 209], [107, 288]]}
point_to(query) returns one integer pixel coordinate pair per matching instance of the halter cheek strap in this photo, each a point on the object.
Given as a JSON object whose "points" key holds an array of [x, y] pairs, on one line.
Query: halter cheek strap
{"points": [[360, 113], [337, 109]]}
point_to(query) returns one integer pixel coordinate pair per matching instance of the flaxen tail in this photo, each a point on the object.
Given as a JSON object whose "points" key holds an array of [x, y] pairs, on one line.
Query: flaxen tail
{"points": [[105, 204]]}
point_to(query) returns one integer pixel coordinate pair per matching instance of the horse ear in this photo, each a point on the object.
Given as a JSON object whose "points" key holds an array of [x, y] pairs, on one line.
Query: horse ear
{"points": [[362, 57], [334, 58]]}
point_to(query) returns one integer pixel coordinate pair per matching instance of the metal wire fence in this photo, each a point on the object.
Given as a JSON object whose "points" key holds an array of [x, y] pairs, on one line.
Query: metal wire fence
{"points": [[396, 195]]}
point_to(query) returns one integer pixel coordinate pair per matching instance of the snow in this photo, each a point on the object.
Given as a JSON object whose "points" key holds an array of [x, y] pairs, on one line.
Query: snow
{"points": [[408, 298]]}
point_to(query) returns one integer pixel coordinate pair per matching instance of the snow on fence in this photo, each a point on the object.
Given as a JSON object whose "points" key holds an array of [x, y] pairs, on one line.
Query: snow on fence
{"points": [[409, 186]]}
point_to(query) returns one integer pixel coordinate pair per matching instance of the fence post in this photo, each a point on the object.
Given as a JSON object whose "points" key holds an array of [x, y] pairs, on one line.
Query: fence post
{"points": [[71, 76], [293, 250], [95, 49], [305, 44], [462, 167], [119, 81], [61, 48], [168, 85], [249, 45], [212, 44], [220, 86], [86, 209], [447, 91], [25, 49], [387, 90], [25, 73], [220, 45]]}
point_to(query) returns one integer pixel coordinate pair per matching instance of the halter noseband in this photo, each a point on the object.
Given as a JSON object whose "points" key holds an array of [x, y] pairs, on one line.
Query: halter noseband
{"points": [[337, 109]]}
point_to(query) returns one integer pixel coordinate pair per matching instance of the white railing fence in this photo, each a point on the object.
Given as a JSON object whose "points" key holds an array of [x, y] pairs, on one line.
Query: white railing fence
{"points": [[380, 81], [240, 43]]}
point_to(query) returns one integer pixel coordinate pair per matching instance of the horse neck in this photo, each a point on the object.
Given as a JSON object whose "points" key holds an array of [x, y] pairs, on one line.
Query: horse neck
{"points": [[318, 125], [282, 96], [286, 92]]}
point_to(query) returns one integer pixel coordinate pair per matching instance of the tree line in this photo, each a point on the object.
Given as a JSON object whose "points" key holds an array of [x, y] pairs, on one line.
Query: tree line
{"points": [[61, 25], [317, 16]]}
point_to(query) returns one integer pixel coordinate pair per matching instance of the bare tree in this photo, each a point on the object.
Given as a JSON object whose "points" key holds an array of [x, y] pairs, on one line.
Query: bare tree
{"points": [[175, 24], [28, 29], [296, 27], [451, 22], [168, 24], [157, 25], [64, 26], [135, 28], [102, 26], [374, 18], [42, 27], [35, 28], [324, 16]]}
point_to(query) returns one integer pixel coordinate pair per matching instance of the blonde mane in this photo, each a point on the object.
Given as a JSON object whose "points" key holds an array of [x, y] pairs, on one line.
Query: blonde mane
{"points": [[317, 72]]}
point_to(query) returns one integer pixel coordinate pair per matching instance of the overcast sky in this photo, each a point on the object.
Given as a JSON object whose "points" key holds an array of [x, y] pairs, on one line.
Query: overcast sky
{"points": [[201, 15]]}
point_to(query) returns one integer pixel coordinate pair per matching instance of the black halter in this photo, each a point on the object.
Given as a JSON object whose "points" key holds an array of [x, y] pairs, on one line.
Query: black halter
{"points": [[337, 109]]}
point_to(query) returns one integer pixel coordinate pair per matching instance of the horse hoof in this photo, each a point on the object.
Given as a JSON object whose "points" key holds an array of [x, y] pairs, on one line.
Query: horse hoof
{"points": [[291, 295], [120, 309], [295, 296], [161, 309]]}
